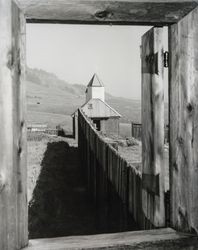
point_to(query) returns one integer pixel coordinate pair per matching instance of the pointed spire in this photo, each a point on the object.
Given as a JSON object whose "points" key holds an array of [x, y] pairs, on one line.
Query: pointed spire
{"points": [[95, 82]]}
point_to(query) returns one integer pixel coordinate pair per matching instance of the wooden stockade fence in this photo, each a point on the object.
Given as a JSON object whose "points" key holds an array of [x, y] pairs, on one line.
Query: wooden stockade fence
{"points": [[37, 129], [104, 167]]}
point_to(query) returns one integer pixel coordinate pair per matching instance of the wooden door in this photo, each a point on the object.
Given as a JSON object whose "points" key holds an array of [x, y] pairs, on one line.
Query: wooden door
{"points": [[183, 41], [153, 129], [13, 200]]}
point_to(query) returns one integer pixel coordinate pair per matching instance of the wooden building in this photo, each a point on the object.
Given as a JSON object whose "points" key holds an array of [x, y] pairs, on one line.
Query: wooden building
{"points": [[105, 118]]}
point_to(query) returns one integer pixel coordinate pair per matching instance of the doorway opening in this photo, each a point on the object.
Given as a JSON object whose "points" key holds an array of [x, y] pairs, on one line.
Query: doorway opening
{"points": [[52, 100], [97, 123]]}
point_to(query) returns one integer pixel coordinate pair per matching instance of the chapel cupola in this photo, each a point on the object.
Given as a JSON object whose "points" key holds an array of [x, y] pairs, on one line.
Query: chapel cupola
{"points": [[95, 89]]}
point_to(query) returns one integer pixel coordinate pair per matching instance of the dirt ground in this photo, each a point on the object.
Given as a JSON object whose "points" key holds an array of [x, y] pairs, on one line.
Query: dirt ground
{"points": [[37, 146], [58, 201], [59, 204], [133, 155]]}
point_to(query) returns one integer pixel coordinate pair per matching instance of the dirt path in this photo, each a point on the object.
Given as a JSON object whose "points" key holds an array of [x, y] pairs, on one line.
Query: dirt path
{"points": [[60, 204]]}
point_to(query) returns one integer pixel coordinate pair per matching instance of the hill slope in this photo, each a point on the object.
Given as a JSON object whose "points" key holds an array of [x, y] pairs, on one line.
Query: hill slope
{"points": [[51, 100]]}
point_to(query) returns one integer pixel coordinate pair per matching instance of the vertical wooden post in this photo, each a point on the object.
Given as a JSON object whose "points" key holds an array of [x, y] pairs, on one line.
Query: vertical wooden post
{"points": [[183, 88], [6, 134], [13, 200], [74, 126], [153, 128], [20, 128]]}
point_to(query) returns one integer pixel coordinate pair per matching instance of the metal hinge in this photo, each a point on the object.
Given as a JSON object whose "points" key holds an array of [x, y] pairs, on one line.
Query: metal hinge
{"points": [[166, 59]]}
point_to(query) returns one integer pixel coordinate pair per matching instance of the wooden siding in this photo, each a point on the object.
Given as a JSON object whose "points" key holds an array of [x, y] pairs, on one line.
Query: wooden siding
{"points": [[123, 12]]}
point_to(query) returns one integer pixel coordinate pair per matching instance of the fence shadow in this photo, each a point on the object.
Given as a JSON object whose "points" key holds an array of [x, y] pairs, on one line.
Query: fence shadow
{"points": [[60, 205]]}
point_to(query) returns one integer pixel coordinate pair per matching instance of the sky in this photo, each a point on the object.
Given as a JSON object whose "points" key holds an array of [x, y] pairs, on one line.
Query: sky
{"points": [[75, 52]]}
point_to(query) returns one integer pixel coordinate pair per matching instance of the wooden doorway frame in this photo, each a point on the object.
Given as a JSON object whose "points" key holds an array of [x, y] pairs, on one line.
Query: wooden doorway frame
{"points": [[183, 92]]}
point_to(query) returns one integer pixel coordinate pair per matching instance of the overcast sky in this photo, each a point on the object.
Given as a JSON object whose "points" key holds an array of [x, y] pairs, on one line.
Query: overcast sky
{"points": [[75, 52]]}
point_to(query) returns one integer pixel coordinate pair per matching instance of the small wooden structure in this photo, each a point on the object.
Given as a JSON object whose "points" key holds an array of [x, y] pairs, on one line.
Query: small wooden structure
{"points": [[105, 118], [136, 130]]}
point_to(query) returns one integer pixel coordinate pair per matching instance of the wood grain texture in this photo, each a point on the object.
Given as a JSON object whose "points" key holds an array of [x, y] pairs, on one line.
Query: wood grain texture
{"points": [[184, 123], [153, 126], [13, 204], [161, 239], [109, 175], [6, 133], [125, 12], [20, 133]]}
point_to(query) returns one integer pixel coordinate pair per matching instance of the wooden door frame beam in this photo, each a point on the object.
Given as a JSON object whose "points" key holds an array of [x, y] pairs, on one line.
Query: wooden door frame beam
{"points": [[120, 12]]}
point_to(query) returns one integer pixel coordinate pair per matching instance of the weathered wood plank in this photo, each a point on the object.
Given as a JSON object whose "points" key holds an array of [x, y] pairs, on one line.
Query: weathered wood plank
{"points": [[153, 127], [20, 122], [184, 123], [152, 239], [125, 12], [13, 201], [6, 133]]}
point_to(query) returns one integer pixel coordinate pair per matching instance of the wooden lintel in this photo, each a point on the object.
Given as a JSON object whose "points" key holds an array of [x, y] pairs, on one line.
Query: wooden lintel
{"points": [[120, 12]]}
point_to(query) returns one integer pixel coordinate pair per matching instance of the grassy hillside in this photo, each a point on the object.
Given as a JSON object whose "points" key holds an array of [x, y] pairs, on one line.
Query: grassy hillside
{"points": [[52, 101]]}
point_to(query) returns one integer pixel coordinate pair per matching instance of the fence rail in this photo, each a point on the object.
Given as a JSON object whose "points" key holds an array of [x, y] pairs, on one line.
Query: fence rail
{"points": [[105, 168]]}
